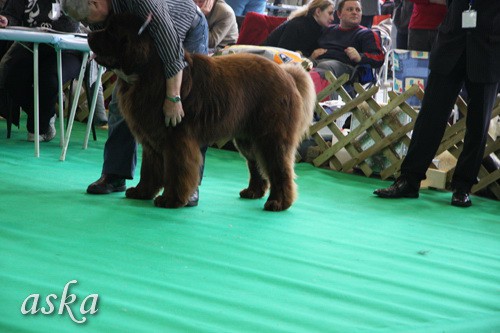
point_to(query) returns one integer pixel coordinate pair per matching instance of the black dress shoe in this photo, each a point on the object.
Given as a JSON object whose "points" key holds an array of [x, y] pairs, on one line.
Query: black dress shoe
{"points": [[107, 184], [461, 199], [400, 189], [193, 199]]}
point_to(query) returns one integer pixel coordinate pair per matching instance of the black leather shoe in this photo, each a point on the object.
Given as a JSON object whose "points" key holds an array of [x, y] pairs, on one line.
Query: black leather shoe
{"points": [[107, 184], [193, 199], [461, 199], [400, 189]]}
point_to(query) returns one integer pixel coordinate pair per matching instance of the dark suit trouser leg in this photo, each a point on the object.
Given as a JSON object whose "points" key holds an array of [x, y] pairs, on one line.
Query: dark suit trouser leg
{"points": [[440, 95], [480, 105]]}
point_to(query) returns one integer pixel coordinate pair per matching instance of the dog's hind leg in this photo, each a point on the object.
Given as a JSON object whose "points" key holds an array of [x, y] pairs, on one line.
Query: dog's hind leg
{"points": [[257, 185], [182, 161], [278, 160], [151, 173]]}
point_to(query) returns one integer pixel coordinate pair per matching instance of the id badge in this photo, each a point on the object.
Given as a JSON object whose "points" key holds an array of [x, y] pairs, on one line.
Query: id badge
{"points": [[469, 19]]}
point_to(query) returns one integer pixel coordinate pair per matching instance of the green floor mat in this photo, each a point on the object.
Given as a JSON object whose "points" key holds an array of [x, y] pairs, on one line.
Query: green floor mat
{"points": [[340, 260]]}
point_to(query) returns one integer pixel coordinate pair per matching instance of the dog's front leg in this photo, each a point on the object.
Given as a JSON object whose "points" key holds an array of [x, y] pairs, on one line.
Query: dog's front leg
{"points": [[151, 175], [182, 161]]}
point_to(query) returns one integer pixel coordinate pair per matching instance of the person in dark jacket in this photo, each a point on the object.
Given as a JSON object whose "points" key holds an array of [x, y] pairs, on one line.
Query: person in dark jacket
{"points": [[303, 28], [466, 51], [345, 45]]}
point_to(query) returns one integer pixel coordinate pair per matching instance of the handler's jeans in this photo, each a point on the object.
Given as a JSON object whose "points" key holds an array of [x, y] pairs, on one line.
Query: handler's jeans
{"points": [[241, 7], [120, 150]]}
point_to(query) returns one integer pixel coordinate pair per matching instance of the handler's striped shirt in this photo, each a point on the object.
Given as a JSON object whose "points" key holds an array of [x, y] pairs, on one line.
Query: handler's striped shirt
{"points": [[171, 21]]}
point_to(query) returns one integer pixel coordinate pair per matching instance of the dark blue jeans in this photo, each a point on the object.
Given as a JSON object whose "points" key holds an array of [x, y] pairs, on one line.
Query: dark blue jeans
{"points": [[120, 150], [241, 7]]}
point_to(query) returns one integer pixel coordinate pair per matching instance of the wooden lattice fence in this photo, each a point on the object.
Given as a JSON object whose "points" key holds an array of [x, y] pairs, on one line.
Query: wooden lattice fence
{"points": [[380, 134]]}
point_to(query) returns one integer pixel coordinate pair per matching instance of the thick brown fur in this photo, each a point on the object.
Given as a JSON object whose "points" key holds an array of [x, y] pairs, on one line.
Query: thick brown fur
{"points": [[265, 107]]}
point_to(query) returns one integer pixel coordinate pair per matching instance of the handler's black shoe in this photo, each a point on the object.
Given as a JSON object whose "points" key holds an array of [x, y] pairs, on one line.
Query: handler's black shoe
{"points": [[401, 188], [193, 199], [461, 199], [107, 184]]}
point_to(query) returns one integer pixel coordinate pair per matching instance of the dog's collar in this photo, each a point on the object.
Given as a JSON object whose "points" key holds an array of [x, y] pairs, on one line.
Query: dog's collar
{"points": [[130, 79]]}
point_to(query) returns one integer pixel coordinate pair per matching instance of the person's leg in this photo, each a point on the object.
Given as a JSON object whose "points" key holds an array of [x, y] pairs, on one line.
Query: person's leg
{"points": [[479, 107], [257, 6], [71, 63], [120, 150], [196, 41], [336, 67], [17, 78], [418, 40], [402, 40], [440, 95], [120, 154]]}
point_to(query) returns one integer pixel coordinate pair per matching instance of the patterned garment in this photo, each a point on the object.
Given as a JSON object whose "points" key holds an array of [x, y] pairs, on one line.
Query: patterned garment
{"points": [[35, 13], [172, 20]]}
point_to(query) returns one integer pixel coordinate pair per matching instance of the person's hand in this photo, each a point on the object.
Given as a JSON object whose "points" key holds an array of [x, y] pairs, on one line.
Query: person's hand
{"points": [[3, 21], [206, 8], [318, 52], [353, 54], [173, 113]]}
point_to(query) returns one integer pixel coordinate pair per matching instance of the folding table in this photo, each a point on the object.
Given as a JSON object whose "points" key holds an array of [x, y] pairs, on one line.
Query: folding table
{"points": [[60, 41]]}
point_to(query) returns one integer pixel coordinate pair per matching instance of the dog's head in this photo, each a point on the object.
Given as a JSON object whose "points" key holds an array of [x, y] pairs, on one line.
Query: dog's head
{"points": [[123, 44]]}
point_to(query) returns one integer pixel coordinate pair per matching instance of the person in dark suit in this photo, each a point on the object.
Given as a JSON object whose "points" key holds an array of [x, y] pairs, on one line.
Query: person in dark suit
{"points": [[465, 52]]}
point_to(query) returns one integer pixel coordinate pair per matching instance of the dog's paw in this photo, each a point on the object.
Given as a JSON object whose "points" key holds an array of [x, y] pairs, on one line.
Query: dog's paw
{"points": [[251, 194], [275, 206], [164, 202], [136, 193]]}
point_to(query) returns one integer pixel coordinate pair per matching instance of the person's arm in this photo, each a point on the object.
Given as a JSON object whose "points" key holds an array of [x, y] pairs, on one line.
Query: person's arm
{"points": [[220, 28], [371, 52], [163, 32], [169, 46], [317, 53], [173, 111]]}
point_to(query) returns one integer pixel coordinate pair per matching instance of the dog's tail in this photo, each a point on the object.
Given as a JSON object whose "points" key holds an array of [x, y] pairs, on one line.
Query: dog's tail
{"points": [[305, 85]]}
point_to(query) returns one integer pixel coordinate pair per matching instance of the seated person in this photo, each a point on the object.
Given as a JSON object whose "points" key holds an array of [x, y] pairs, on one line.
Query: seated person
{"points": [[303, 28], [347, 44], [222, 26], [425, 19], [16, 67], [241, 7]]}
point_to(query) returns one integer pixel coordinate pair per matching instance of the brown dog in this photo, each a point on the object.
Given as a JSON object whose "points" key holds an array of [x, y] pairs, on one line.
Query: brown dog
{"points": [[265, 107]]}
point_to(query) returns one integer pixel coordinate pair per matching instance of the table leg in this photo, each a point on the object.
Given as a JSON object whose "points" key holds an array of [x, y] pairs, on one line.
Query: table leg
{"points": [[74, 106], [36, 104], [61, 109], [92, 107]]}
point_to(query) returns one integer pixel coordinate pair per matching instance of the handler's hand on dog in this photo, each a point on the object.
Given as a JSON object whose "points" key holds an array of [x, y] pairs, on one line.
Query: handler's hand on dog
{"points": [[173, 113]]}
